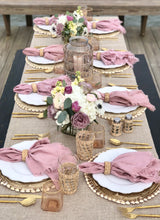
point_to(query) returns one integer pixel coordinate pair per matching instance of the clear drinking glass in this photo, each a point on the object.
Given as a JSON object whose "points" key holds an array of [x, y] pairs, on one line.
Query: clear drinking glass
{"points": [[52, 198], [99, 133]]}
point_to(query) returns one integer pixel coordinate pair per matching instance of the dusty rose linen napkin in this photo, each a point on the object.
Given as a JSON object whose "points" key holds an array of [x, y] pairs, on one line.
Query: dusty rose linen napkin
{"points": [[107, 25], [44, 21], [42, 158], [43, 87], [112, 57], [133, 166], [52, 52]]}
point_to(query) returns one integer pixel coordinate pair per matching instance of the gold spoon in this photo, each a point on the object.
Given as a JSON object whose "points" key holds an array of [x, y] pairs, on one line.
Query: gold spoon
{"points": [[39, 71], [133, 216], [127, 86], [130, 209], [117, 142], [138, 147], [38, 135], [25, 202], [21, 196], [27, 115]]}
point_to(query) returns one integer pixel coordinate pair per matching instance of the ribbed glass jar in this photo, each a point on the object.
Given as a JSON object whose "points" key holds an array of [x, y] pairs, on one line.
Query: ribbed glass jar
{"points": [[78, 56]]}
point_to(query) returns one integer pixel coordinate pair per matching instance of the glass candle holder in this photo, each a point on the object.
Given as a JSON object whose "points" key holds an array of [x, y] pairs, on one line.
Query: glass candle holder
{"points": [[52, 198], [87, 12], [84, 144], [95, 80], [69, 177], [99, 133], [78, 56], [94, 42]]}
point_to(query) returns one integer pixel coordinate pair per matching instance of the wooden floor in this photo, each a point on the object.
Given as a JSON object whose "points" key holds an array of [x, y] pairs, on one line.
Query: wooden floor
{"points": [[21, 38]]}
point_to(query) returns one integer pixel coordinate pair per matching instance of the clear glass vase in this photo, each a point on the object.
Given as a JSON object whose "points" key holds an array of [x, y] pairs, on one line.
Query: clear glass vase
{"points": [[69, 129], [78, 56]]}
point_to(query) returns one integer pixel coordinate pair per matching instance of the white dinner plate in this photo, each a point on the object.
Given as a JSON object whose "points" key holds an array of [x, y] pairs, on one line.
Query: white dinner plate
{"points": [[42, 60], [19, 171], [96, 31], [33, 99], [100, 64], [44, 27], [115, 108], [114, 183]]}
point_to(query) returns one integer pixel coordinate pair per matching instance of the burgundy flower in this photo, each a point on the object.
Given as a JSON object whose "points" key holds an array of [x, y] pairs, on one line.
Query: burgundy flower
{"points": [[69, 18], [80, 120], [75, 106], [59, 28], [51, 111], [68, 89]]}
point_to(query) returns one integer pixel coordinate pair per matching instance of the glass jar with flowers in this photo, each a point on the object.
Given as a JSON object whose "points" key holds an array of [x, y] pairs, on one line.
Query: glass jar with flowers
{"points": [[70, 25], [74, 107]]}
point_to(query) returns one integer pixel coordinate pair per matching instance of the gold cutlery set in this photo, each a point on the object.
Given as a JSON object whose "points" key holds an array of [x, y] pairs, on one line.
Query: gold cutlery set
{"points": [[28, 199], [127, 86], [30, 136], [27, 115], [126, 211]]}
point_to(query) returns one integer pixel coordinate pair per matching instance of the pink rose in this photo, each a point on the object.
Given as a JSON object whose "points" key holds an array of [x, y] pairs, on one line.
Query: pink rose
{"points": [[51, 111], [58, 101], [80, 120], [59, 28], [91, 98], [68, 89], [69, 18], [75, 106]]}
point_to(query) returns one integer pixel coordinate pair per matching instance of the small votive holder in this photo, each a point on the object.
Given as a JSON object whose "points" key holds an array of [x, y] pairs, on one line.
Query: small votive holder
{"points": [[94, 42], [95, 80], [69, 177], [99, 133], [52, 198], [87, 12], [84, 144]]}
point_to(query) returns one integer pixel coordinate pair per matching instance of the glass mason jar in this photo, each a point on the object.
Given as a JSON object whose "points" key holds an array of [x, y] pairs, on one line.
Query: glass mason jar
{"points": [[78, 56]]}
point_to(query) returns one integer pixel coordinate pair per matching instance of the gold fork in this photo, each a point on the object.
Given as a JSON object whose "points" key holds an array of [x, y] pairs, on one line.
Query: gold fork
{"points": [[130, 209], [30, 136], [133, 216], [27, 115]]}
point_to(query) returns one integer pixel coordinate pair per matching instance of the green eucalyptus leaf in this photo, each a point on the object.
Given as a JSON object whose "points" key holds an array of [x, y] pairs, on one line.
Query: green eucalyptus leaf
{"points": [[56, 15], [64, 83], [45, 114], [62, 116], [49, 100], [67, 103], [81, 20]]}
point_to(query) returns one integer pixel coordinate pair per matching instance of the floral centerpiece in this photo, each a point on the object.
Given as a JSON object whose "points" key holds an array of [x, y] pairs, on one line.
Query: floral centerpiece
{"points": [[73, 107], [70, 25]]}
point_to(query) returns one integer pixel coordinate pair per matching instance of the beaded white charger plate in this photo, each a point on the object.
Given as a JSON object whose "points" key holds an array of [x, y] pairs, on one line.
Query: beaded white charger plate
{"points": [[114, 183], [44, 27], [42, 60]]}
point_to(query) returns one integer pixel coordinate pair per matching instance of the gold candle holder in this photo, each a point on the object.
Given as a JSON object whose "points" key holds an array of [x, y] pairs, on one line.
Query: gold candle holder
{"points": [[84, 144], [69, 177]]}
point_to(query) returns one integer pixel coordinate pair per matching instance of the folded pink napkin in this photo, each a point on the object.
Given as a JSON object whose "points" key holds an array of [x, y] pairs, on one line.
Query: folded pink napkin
{"points": [[133, 166], [52, 52], [42, 158], [43, 87], [107, 25], [44, 20], [112, 57], [127, 98]]}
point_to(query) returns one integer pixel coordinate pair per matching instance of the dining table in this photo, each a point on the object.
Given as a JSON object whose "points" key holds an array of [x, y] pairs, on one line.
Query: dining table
{"points": [[85, 203]]}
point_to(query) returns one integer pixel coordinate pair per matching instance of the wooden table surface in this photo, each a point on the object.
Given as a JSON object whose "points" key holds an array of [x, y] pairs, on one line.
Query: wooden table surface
{"points": [[101, 7], [84, 204]]}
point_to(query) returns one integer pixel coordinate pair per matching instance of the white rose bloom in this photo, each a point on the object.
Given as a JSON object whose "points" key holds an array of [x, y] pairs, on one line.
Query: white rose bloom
{"points": [[62, 19], [66, 121]]}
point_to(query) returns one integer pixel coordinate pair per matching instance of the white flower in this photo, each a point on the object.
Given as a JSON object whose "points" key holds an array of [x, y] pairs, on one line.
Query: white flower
{"points": [[53, 29], [85, 31], [66, 121], [76, 15], [62, 19], [99, 107]]}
